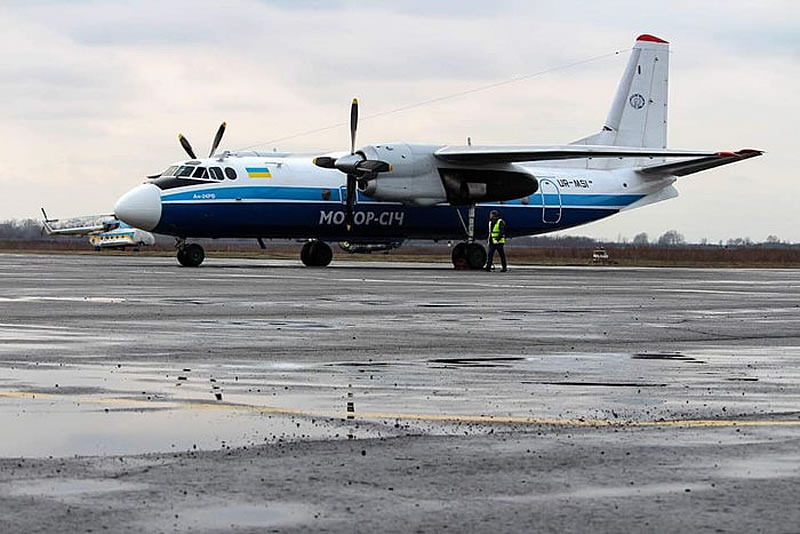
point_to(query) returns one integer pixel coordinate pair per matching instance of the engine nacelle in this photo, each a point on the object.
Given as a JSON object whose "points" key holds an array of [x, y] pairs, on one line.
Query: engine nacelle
{"points": [[413, 179], [418, 177], [473, 185]]}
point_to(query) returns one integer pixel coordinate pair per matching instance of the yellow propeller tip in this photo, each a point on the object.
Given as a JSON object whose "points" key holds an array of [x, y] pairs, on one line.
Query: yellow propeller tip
{"points": [[355, 101]]}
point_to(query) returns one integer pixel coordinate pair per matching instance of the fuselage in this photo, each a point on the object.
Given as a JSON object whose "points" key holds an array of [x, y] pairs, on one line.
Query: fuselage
{"points": [[122, 237], [273, 195]]}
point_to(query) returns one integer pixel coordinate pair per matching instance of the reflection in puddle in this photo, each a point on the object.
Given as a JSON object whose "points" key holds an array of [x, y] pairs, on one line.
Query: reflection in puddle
{"points": [[613, 492], [763, 467], [65, 487], [270, 515]]}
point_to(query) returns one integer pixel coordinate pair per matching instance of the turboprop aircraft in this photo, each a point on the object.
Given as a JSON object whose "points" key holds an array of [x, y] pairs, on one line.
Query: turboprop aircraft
{"points": [[385, 193], [104, 231]]}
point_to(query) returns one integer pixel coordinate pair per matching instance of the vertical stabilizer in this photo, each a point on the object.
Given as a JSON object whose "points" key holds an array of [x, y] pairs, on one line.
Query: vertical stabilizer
{"points": [[638, 115]]}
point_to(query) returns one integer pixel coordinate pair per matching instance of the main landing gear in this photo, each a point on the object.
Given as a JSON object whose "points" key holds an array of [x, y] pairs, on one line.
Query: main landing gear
{"points": [[316, 253], [191, 255], [469, 254]]}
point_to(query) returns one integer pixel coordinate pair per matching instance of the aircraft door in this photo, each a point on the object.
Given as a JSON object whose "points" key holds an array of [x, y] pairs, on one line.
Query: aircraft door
{"points": [[551, 201]]}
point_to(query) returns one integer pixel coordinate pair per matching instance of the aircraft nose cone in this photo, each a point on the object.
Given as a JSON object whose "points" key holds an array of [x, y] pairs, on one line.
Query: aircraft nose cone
{"points": [[140, 207]]}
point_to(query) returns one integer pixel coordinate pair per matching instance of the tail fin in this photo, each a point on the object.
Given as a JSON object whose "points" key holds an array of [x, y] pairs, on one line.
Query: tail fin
{"points": [[638, 115]]}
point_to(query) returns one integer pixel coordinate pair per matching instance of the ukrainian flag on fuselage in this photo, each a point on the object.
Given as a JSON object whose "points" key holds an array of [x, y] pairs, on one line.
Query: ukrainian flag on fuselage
{"points": [[258, 172]]}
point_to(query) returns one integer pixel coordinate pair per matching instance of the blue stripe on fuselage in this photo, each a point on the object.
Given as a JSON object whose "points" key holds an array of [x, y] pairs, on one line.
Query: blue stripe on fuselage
{"points": [[317, 193]]}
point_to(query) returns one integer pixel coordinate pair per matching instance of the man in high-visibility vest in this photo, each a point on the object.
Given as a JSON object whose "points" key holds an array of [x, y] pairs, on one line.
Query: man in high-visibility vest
{"points": [[497, 240]]}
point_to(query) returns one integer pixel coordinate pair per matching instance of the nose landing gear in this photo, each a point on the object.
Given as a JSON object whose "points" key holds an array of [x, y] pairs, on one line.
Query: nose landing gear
{"points": [[191, 255], [316, 253]]}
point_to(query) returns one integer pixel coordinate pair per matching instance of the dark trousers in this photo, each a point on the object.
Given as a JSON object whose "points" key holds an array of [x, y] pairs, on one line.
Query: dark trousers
{"points": [[500, 248]]}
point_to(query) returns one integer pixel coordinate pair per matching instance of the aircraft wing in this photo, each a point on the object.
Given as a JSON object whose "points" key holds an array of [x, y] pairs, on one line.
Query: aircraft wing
{"points": [[478, 155], [683, 168]]}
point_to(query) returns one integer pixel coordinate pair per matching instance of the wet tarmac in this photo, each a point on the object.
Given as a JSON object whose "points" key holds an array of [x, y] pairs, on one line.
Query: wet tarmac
{"points": [[260, 395]]}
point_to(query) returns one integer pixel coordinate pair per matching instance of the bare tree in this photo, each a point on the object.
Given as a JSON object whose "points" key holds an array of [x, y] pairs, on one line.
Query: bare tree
{"points": [[671, 238]]}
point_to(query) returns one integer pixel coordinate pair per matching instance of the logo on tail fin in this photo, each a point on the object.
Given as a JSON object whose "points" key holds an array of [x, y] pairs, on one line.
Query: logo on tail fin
{"points": [[637, 101]]}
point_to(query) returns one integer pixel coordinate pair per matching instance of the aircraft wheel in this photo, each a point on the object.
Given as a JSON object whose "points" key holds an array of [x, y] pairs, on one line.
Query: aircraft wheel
{"points": [[305, 254], [191, 255], [475, 255], [459, 256], [316, 254]]}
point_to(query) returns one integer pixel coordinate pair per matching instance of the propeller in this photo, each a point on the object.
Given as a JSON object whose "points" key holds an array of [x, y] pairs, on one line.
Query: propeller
{"points": [[186, 146], [355, 165], [217, 139]]}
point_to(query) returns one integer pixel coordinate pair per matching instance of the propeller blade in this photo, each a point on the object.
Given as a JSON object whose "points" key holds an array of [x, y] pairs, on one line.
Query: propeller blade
{"points": [[371, 166], [217, 138], [353, 125], [325, 162], [186, 146], [351, 200]]}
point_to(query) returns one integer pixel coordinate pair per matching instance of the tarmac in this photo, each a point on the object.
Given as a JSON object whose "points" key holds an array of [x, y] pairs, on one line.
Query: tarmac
{"points": [[258, 395]]}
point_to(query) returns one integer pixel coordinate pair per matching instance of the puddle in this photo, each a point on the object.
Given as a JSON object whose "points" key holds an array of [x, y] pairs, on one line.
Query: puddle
{"points": [[477, 362], [675, 356], [360, 364], [742, 379], [601, 384], [232, 516], [65, 487], [249, 323]]}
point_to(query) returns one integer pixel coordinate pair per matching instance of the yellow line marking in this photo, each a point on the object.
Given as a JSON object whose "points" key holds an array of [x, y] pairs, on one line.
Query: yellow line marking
{"points": [[442, 418]]}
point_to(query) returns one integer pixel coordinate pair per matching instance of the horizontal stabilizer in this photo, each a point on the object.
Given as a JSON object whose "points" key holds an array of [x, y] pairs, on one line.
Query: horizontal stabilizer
{"points": [[683, 168], [478, 155]]}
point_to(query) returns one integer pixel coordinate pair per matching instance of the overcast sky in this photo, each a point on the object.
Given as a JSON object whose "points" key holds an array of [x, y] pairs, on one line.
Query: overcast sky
{"points": [[95, 92]]}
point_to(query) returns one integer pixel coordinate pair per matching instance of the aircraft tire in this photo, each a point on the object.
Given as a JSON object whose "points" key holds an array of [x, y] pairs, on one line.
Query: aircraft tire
{"points": [[305, 254], [316, 254], [459, 255], [324, 254], [475, 255], [191, 255]]}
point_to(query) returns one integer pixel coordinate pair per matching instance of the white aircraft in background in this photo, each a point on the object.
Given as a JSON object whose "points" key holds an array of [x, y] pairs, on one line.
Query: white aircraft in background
{"points": [[104, 231], [389, 192]]}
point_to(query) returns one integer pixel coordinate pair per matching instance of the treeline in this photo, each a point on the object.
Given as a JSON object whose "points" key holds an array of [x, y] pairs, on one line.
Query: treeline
{"points": [[24, 230]]}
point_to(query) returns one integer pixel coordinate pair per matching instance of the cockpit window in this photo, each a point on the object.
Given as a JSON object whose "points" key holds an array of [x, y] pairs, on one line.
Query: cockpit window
{"points": [[170, 171], [230, 173], [200, 172], [216, 173], [185, 171]]}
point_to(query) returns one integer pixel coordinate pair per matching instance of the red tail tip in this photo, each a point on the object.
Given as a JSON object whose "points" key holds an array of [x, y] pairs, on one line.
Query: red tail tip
{"points": [[651, 38], [727, 154]]}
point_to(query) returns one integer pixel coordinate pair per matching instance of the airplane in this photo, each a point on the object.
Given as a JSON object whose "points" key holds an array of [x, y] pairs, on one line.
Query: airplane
{"points": [[104, 231], [385, 193]]}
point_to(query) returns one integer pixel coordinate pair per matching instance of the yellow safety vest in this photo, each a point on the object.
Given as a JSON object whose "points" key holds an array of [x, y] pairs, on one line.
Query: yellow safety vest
{"points": [[495, 232]]}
